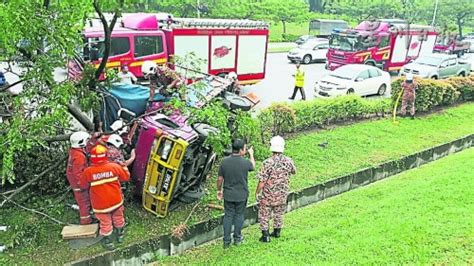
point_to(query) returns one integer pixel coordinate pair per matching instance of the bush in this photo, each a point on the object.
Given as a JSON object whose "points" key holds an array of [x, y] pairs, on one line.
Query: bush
{"points": [[465, 85], [430, 93], [283, 118]]}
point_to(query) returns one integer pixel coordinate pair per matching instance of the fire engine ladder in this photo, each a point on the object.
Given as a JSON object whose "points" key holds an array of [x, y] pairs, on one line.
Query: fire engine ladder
{"points": [[220, 23]]}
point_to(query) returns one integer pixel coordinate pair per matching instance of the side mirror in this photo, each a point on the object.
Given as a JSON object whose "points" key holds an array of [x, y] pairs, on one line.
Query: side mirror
{"points": [[359, 79], [316, 48]]}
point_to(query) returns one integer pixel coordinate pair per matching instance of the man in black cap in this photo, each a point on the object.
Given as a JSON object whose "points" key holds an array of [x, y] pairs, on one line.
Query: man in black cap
{"points": [[233, 174]]}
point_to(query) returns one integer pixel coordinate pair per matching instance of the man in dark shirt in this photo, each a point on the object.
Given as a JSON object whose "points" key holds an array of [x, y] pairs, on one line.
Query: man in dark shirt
{"points": [[233, 174]]}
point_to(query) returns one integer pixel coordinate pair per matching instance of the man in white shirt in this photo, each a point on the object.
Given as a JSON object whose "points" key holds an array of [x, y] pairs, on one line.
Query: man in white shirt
{"points": [[126, 76]]}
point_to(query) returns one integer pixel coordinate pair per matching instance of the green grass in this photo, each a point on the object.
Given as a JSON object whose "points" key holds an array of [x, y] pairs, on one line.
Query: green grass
{"points": [[276, 30], [350, 148], [422, 216], [280, 49]]}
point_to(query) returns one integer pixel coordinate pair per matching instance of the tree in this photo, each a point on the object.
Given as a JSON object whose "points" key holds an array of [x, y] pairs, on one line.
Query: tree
{"points": [[456, 12], [283, 11], [37, 37]]}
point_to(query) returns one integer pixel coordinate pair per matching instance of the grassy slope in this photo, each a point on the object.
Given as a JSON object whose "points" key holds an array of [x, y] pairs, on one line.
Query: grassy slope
{"points": [[423, 216], [350, 148], [276, 30]]}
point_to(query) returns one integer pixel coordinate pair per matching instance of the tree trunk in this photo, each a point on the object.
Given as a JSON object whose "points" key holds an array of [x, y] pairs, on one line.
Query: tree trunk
{"points": [[284, 26], [459, 23], [316, 6]]}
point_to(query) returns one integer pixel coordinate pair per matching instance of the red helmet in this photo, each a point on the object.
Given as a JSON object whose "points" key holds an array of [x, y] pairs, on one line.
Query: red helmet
{"points": [[99, 154]]}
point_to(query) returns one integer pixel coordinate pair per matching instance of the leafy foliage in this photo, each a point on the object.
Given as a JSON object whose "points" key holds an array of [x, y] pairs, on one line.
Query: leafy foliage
{"points": [[433, 93]]}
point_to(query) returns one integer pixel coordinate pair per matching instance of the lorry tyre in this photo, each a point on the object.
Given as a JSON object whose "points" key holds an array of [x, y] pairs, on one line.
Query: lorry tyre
{"points": [[237, 102], [192, 194], [382, 90], [307, 59], [204, 130]]}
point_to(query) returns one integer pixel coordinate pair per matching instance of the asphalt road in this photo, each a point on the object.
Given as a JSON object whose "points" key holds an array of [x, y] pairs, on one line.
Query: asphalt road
{"points": [[279, 82]]}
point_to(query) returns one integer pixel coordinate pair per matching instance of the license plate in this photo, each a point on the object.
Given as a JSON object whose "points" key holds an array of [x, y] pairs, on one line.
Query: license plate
{"points": [[166, 183]]}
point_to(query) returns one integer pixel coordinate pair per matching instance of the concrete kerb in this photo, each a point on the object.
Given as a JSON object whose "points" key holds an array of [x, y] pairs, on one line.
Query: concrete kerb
{"points": [[146, 251]]}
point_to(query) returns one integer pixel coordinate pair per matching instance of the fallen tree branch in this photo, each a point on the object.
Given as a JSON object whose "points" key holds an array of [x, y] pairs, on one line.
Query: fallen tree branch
{"points": [[34, 211], [62, 137], [11, 85], [76, 112], [53, 167]]}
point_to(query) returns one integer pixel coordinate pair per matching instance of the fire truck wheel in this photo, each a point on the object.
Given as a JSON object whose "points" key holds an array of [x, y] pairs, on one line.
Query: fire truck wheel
{"points": [[237, 102], [307, 59], [382, 89]]}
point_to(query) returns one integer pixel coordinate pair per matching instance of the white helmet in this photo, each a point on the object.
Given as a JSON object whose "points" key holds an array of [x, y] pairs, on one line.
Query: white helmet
{"points": [[79, 139], [119, 126], [409, 76], [115, 140], [277, 144], [149, 68], [233, 75]]}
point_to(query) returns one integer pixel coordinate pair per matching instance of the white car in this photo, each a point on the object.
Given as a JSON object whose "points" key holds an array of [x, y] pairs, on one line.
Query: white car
{"points": [[310, 51], [353, 79]]}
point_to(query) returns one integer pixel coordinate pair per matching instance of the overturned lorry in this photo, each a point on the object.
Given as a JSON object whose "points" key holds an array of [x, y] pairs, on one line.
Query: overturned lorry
{"points": [[172, 157]]}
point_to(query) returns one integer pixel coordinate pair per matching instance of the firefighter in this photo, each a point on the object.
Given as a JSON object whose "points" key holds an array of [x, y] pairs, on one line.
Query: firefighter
{"points": [[272, 189], [234, 86], [409, 95], [299, 83], [115, 153], [76, 164], [102, 179]]}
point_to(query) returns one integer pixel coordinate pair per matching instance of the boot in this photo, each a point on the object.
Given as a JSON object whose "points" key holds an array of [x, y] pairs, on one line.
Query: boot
{"points": [[265, 236], [107, 243], [276, 232], [120, 234]]}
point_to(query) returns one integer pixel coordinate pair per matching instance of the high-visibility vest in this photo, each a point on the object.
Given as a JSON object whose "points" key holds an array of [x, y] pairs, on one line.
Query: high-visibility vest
{"points": [[299, 78]]}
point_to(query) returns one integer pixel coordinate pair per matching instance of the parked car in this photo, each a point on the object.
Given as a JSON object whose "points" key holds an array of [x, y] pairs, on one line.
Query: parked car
{"points": [[310, 51], [436, 66], [304, 38], [470, 40], [3, 80], [353, 79]]}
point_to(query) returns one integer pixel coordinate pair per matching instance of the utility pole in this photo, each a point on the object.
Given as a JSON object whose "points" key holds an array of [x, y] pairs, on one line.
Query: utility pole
{"points": [[197, 8], [434, 13]]}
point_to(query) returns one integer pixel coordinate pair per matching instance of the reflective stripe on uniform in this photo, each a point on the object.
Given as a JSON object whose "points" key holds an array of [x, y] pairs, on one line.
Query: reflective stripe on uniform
{"points": [[109, 209], [104, 181], [77, 189], [85, 217]]}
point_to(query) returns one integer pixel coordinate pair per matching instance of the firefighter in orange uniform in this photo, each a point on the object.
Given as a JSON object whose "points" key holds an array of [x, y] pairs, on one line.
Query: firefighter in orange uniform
{"points": [[103, 179], [76, 164]]}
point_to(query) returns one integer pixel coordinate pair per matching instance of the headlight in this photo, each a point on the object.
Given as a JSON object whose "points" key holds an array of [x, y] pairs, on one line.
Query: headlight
{"points": [[166, 150]]}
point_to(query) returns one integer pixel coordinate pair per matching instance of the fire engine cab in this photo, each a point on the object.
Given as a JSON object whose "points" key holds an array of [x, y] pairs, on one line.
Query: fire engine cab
{"points": [[222, 46], [379, 43]]}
